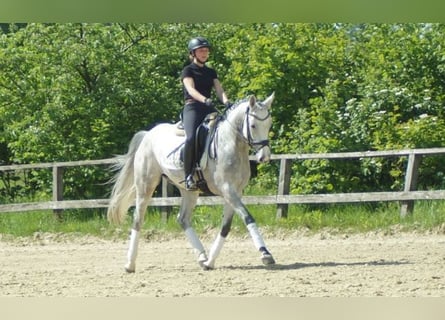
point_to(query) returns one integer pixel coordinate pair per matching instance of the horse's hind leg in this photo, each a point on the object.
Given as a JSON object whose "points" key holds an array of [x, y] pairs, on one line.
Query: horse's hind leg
{"points": [[188, 203], [144, 192], [138, 221], [221, 237]]}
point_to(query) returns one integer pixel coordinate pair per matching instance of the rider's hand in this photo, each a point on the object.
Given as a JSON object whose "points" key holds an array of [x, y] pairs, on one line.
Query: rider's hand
{"points": [[208, 102], [228, 104]]}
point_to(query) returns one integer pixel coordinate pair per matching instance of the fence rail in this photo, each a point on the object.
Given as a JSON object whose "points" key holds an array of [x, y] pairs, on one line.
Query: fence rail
{"points": [[282, 199]]}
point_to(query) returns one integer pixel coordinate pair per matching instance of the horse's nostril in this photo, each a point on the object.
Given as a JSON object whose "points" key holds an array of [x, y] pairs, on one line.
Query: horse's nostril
{"points": [[263, 159]]}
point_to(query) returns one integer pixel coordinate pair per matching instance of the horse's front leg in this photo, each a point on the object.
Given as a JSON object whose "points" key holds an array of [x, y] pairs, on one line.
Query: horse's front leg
{"points": [[266, 256], [221, 237], [188, 203], [249, 221]]}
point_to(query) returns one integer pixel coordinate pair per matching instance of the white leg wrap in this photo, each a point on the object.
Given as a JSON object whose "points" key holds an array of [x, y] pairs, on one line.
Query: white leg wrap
{"points": [[217, 246], [214, 251], [132, 251], [194, 240], [256, 237]]}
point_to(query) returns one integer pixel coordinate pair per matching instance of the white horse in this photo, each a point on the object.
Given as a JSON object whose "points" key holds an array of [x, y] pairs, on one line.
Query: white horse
{"points": [[151, 155]]}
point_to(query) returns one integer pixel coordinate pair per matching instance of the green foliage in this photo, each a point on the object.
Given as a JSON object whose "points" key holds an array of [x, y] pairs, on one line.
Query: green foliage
{"points": [[80, 91], [382, 82]]}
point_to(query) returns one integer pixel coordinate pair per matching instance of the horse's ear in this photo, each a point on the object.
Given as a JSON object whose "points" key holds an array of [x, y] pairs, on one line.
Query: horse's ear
{"points": [[269, 100], [252, 101]]}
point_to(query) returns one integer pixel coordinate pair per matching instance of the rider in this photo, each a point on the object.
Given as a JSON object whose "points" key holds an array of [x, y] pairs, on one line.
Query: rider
{"points": [[198, 81]]}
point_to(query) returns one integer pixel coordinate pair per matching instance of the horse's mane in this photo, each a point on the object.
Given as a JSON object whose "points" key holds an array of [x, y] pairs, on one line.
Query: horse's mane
{"points": [[235, 105], [241, 101]]}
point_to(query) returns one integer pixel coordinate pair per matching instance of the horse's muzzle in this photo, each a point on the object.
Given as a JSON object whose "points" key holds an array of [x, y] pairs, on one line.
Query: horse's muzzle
{"points": [[263, 154]]}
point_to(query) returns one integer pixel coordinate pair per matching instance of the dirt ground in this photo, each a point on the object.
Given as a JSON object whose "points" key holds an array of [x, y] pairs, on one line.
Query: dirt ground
{"points": [[394, 264]]}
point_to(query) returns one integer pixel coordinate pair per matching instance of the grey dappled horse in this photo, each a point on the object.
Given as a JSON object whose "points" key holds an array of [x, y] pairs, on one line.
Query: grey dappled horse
{"points": [[245, 125]]}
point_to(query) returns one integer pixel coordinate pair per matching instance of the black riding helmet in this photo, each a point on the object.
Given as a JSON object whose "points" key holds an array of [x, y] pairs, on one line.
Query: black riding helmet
{"points": [[198, 42]]}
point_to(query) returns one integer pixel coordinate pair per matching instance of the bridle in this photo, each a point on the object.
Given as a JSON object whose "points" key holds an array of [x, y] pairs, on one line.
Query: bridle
{"points": [[256, 145]]}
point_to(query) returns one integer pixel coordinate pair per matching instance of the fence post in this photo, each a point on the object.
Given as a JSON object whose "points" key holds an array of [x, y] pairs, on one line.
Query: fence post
{"points": [[167, 190], [412, 173], [284, 186], [58, 189]]}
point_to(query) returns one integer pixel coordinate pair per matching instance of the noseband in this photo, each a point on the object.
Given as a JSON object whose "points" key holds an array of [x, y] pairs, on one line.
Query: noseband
{"points": [[257, 145]]}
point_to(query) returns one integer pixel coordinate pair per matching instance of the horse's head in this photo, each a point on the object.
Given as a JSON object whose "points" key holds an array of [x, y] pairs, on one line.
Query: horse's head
{"points": [[256, 126]]}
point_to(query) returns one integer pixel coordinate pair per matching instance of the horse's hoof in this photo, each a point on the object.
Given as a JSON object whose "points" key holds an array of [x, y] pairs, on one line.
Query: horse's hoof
{"points": [[202, 258], [267, 259], [130, 269], [206, 266]]}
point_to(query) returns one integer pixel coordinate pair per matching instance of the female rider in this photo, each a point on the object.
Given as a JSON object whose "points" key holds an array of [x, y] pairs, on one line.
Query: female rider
{"points": [[198, 81]]}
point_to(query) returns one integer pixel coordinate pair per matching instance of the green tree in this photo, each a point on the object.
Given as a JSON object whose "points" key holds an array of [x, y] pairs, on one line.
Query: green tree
{"points": [[80, 91]]}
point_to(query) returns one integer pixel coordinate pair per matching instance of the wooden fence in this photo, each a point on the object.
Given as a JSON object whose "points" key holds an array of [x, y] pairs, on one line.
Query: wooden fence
{"points": [[282, 199]]}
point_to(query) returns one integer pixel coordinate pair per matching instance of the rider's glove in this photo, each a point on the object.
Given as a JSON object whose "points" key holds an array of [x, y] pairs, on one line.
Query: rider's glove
{"points": [[228, 104], [208, 102]]}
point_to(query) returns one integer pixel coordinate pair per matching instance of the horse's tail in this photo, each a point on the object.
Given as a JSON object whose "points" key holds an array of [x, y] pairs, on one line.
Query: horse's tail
{"points": [[123, 192]]}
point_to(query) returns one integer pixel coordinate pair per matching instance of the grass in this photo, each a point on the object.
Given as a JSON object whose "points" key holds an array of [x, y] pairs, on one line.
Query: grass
{"points": [[350, 218]]}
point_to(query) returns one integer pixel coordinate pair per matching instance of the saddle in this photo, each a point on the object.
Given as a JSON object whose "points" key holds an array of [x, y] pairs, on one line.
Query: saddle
{"points": [[204, 136]]}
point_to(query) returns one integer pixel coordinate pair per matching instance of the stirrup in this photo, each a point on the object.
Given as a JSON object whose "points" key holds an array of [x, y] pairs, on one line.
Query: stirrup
{"points": [[190, 184]]}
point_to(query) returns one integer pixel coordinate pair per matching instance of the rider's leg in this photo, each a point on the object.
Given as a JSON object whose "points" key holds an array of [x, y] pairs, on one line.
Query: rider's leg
{"points": [[191, 121], [192, 116]]}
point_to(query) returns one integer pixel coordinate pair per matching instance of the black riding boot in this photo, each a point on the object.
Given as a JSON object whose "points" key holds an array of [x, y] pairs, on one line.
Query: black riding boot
{"points": [[189, 161]]}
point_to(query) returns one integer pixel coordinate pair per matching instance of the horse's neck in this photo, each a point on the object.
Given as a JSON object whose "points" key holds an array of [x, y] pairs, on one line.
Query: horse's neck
{"points": [[230, 133], [236, 116]]}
